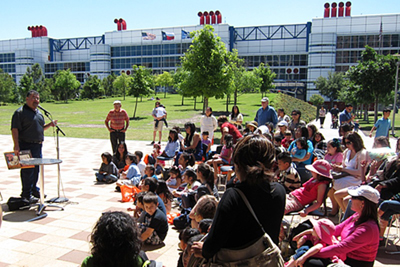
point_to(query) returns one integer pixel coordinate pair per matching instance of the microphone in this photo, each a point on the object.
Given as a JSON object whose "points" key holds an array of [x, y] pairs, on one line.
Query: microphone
{"points": [[45, 111]]}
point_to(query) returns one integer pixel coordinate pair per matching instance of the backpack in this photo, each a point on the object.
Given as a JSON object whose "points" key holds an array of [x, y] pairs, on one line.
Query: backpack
{"points": [[17, 203]]}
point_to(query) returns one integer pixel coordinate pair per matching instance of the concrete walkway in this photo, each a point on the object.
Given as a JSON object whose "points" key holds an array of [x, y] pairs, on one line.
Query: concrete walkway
{"points": [[61, 239]]}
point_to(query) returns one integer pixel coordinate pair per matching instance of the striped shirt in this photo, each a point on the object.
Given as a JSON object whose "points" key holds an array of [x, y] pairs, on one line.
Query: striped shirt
{"points": [[117, 119]]}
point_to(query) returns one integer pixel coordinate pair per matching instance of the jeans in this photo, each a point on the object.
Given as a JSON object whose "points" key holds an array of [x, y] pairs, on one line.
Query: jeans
{"points": [[30, 176], [109, 178], [116, 138], [389, 207]]}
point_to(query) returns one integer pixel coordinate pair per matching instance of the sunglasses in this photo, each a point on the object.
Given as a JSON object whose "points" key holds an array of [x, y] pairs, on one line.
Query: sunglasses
{"points": [[348, 143], [294, 114]]}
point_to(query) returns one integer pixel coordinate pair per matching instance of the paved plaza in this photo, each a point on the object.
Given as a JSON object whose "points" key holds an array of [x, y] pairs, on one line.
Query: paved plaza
{"points": [[61, 239]]}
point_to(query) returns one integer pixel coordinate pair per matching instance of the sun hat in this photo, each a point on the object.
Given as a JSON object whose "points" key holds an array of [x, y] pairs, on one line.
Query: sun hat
{"points": [[322, 167], [265, 99], [283, 123], [366, 191], [253, 123], [117, 102], [324, 228]]}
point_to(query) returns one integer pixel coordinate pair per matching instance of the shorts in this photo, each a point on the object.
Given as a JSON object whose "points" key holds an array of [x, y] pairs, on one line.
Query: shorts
{"points": [[292, 204], [159, 126]]}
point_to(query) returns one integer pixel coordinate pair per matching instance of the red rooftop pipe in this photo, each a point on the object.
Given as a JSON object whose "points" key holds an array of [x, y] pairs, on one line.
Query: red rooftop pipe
{"points": [[123, 23], [333, 10], [201, 18], [213, 18], [348, 9], [219, 17], [341, 9], [44, 30], [207, 17], [118, 24], [326, 10]]}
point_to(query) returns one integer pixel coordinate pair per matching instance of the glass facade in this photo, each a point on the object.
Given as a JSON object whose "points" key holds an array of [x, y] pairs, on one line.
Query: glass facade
{"points": [[9, 57], [149, 50], [9, 68], [73, 66], [276, 60]]}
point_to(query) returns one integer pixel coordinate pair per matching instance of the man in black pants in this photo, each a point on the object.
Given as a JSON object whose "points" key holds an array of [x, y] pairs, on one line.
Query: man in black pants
{"points": [[27, 129]]}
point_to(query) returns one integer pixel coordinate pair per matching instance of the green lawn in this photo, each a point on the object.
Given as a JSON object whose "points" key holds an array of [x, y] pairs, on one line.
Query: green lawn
{"points": [[366, 127], [85, 119]]}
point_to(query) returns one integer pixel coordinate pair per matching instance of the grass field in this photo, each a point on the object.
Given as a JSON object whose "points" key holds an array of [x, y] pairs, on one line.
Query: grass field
{"points": [[367, 126], [85, 119]]}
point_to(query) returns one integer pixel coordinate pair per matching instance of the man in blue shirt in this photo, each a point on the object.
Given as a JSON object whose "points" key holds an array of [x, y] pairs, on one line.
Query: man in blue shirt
{"points": [[345, 116], [382, 125], [266, 113]]}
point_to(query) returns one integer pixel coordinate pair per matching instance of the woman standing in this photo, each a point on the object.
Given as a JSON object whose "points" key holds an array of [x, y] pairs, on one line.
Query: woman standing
{"points": [[208, 123], [236, 117], [322, 114], [359, 234], [234, 226]]}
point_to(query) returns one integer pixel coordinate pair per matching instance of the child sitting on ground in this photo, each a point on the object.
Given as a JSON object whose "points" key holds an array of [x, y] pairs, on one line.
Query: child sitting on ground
{"points": [[165, 195], [310, 242], [150, 185], [155, 226], [204, 226], [184, 237], [205, 208], [287, 174], [278, 144], [300, 149], [108, 172], [175, 178], [149, 171], [138, 209], [132, 176], [287, 140], [173, 146], [206, 143], [141, 165]]}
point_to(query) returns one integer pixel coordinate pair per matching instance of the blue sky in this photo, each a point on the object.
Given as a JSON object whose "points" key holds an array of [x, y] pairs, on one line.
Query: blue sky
{"points": [[73, 18]]}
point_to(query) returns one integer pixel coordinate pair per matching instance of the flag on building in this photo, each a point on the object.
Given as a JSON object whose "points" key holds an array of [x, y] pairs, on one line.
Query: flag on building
{"points": [[148, 36], [185, 35], [168, 36]]}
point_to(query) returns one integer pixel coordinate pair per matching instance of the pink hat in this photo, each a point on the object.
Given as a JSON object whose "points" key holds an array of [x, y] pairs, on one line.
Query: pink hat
{"points": [[324, 229], [322, 167]]}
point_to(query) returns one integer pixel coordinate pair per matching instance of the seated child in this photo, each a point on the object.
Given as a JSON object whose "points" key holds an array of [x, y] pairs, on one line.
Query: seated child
{"points": [[150, 185], [226, 153], [141, 165], [310, 242], [138, 210], [206, 143], [278, 144], [184, 237], [180, 136], [287, 140], [204, 226], [205, 208], [132, 176], [154, 229], [188, 251], [165, 195], [175, 178], [300, 149], [287, 175], [108, 172], [312, 190], [173, 145], [149, 171]]}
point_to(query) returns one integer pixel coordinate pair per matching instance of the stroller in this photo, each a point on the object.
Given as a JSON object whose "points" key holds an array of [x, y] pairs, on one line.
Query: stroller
{"points": [[334, 124]]}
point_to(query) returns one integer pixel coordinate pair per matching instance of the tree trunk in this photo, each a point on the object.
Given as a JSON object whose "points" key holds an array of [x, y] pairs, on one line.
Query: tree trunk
{"points": [[376, 109], [235, 98], [134, 113], [366, 113], [205, 100], [227, 102], [194, 103], [182, 99], [155, 91], [141, 98], [124, 92], [165, 92]]}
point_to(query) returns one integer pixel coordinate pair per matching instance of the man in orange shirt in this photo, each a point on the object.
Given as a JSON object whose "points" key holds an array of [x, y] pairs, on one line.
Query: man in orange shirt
{"points": [[117, 122]]}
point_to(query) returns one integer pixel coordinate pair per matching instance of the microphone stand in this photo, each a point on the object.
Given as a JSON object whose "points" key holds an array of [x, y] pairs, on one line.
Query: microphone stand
{"points": [[58, 199]]}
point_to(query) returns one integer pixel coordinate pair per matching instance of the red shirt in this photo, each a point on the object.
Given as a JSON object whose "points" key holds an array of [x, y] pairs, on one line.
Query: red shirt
{"points": [[117, 119], [232, 130]]}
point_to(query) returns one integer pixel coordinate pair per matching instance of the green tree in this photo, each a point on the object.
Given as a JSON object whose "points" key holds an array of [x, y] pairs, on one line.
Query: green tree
{"points": [[7, 87], [205, 61], [122, 83], [164, 80], [317, 100], [65, 84], [108, 85], [33, 79], [179, 77], [92, 88], [331, 86], [141, 83], [267, 78], [375, 75]]}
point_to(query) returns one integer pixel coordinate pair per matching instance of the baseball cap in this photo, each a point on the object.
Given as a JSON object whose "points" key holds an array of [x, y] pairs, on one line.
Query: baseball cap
{"points": [[283, 123], [265, 99], [366, 191], [117, 102]]}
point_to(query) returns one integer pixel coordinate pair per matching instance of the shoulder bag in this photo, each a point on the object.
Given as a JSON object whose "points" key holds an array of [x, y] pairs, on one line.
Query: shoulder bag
{"points": [[263, 252]]}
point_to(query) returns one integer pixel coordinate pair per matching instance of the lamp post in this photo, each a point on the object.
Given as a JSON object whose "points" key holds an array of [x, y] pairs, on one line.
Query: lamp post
{"points": [[395, 91]]}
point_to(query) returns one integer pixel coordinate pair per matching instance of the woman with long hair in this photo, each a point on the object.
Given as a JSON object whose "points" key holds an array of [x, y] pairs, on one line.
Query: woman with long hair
{"points": [[359, 234], [205, 174], [192, 141], [115, 241], [236, 117], [234, 227], [120, 155]]}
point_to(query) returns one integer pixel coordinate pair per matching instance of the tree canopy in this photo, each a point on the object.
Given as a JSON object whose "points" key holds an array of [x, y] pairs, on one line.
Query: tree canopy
{"points": [[65, 85], [267, 77], [331, 86], [141, 83], [92, 88]]}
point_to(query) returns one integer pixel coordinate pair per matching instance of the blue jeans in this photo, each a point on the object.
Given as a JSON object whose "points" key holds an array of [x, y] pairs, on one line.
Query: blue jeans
{"points": [[109, 178], [30, 176]]}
